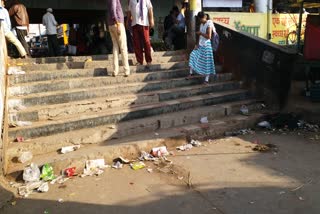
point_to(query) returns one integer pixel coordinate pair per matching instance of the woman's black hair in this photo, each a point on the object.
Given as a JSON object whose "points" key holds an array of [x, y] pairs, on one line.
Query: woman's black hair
{"points": [[208, 16], [201, 15]]}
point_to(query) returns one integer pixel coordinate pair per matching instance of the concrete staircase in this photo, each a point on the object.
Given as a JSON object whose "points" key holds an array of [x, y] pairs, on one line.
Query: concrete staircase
{"points": [[74, 100]]}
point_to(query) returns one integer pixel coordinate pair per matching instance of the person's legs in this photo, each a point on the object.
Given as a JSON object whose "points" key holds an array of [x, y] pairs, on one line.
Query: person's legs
{"points": [[56, 46], [147, 44], [13, 39], [21, 34], [137, 43], [124, 49], [115, 49], [50, 45]]}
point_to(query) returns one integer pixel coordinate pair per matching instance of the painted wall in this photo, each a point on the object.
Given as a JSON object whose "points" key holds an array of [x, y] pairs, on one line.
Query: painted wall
{"points": [[256, 24]]}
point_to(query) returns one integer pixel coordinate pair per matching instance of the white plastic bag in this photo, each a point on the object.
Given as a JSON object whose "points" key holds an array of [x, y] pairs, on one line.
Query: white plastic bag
{"points": [[31, 173], [25, 157]]}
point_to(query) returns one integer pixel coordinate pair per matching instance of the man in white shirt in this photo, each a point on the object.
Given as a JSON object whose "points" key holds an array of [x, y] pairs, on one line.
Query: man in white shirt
{"points": [[50, 22], [141, 13]]}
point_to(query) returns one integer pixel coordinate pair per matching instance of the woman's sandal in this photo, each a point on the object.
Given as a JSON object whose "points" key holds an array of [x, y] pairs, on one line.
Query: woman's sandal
{"points": [[189, 77]]}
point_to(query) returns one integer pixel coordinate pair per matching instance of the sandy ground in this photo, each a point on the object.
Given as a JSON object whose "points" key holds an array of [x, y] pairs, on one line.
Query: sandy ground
{"points": [[223, 176]]}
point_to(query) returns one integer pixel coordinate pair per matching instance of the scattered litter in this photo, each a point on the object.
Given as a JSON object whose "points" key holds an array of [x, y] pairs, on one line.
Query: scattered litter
{"points": [[47, 173], [15, 70], [149, 170], [94, 167], [301, 198], [137, 165], [46, 212], [251, 202], [67, 149], [264, 124], [204, 120], [20, 123], [195, 143], [282, 192], [239, 132], [180, 178], [117, 165], [19, 139], [159, 151], [70, 172], [60, 200], [44, 187], [60, 180], [31, 173], [14, 203], [146, 157], [185, 147], [244, 110], [122, 160], [25, 157], [156, 134], [28, 188], [265, 147]]}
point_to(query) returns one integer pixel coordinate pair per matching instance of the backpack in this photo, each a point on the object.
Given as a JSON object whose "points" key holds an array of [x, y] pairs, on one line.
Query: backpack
{"points": [[215, 41]]}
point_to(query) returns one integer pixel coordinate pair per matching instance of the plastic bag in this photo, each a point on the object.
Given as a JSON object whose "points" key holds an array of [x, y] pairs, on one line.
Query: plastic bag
{"points": [[31, 173], [25, 157], [47, 173]]}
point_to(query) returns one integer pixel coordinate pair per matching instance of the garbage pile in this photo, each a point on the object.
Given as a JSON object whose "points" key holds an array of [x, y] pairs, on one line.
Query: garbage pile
{"points": [[37, 179], [286, 121]]}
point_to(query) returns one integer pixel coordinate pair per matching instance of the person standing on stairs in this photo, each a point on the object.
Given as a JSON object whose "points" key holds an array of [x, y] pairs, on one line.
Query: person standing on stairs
{"points": [[141, 14], [51, 24], [118, 36], [20, 21], [201, 58], [5, 19]]}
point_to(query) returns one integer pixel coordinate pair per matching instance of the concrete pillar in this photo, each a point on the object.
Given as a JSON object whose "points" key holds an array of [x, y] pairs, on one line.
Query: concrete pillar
{"points": [[261, 6], [195, 6]]}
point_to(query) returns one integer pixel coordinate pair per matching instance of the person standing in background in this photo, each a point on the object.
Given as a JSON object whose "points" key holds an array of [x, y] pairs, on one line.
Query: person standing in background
{"points": [[141, 14], [20, 22], [51, 24], [5, 19], [118, 36]]}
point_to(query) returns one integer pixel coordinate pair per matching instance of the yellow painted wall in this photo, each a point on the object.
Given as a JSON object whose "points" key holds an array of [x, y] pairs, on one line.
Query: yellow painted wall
{"points": [[256, 24]]}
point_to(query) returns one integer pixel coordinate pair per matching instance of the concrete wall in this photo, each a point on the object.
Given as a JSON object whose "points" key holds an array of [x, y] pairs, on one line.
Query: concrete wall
{"points": [[3, 60], [265, 68]]}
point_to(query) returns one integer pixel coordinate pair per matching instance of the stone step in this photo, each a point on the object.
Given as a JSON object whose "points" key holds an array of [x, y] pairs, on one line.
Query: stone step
{"points": [[35, 76], [104, 64], [64, 59], [53, 112], [87, 120], [91, 82], [131, 146], [65, 96]]}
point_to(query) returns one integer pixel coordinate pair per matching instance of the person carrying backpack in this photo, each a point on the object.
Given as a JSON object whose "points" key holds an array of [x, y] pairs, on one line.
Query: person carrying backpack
{"points": [[201, 58]]}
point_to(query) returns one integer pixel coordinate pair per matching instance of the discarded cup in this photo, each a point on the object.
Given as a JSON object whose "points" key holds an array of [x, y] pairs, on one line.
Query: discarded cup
{"points": [[25, 157]]}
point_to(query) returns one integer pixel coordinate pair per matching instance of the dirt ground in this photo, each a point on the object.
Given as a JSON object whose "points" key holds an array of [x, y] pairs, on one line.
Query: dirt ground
{"points": [[224, 176]]}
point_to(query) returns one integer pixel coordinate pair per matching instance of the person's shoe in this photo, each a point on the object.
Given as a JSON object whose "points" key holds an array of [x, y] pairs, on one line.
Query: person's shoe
{"points": [[126, 75], [137, 64], [205, 83], [114, 74], [189, 77], [148, 65]]}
